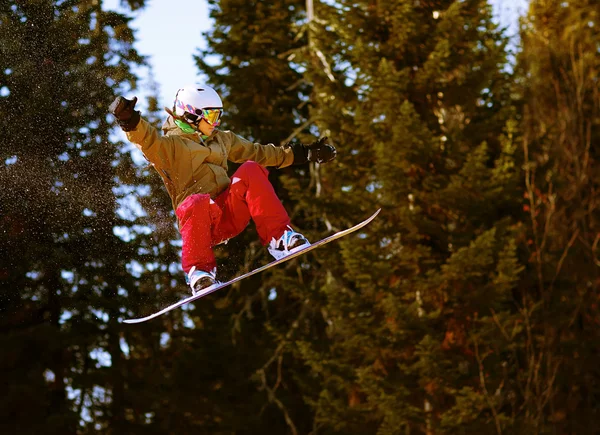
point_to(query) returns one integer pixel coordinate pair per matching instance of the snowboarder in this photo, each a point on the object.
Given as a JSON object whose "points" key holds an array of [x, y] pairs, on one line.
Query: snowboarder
{"points": [[191, 158]]}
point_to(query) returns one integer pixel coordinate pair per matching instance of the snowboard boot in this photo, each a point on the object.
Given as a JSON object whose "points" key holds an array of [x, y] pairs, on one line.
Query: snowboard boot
{"points": [[199, 280], [288, 243]]}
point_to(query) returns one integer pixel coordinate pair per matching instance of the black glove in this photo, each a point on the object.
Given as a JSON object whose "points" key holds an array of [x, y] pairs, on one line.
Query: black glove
{"points": [[122, 110], [319, 151]]}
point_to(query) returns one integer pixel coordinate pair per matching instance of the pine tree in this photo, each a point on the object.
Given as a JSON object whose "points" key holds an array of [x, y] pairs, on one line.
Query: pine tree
{"points": [[61, 63], [247, 60], [415, 98]]}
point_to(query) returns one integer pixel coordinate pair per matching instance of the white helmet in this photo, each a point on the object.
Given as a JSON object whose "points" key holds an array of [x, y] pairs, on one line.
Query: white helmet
{"points": [[192, 99]]}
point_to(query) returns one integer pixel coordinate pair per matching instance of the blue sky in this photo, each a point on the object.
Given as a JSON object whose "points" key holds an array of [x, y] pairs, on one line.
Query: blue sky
{"points": [[169, 32]]}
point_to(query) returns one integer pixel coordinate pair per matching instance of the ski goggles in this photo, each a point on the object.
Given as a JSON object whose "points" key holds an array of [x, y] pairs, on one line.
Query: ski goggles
{"points": [[211, 116]]}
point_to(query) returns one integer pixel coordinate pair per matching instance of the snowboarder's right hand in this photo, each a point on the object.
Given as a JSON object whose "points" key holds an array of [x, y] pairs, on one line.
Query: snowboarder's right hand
{"points": [[123, 110]]}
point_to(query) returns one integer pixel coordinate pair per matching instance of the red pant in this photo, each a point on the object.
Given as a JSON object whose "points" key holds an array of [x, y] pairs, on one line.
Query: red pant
{"points": [[204, 223]]}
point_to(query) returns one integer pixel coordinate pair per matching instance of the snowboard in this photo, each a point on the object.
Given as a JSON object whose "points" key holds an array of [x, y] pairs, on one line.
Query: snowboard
{"points": [[219, 286]]}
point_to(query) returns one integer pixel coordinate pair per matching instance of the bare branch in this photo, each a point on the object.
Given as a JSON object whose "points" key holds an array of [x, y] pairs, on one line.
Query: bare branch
{"points": [[564, 255], [488, 399]]}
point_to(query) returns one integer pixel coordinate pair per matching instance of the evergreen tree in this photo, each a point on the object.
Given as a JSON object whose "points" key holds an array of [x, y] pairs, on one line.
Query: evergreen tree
{"points": [[247, 60], [415, 97], [66, 272]]}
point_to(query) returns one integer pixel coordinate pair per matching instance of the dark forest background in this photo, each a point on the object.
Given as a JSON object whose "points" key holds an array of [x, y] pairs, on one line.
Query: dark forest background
{"points": [[469, 306]]}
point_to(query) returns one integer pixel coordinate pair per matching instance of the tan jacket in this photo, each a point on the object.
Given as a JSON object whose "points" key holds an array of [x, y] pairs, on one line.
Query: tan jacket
{"points": [[189, 165]]}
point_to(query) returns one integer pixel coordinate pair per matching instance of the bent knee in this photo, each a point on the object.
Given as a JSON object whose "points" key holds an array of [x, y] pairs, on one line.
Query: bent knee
{"points": [[252, 169]]}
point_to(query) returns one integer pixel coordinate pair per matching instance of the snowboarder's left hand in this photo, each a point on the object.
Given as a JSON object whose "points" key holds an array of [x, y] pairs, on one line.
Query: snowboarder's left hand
{"points": [[319, 152]]}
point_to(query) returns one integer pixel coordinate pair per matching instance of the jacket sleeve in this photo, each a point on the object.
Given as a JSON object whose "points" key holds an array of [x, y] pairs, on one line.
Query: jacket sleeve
{"points": [[242, 150], [159, 150]]}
